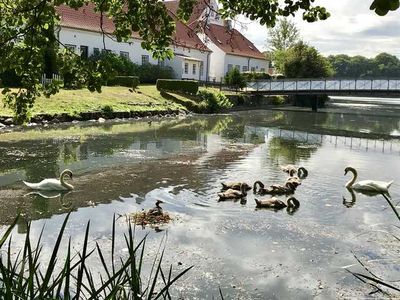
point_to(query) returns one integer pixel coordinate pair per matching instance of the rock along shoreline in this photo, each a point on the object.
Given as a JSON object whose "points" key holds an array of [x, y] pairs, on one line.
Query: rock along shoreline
{"points": [[100, 117]]}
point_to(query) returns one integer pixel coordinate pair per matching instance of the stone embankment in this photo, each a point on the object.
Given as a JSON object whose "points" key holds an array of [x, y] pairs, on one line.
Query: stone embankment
{"points": [[100, 117]]}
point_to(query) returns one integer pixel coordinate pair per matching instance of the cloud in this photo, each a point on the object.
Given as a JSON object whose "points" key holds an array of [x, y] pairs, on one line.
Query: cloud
{"points": [[352, 29]]}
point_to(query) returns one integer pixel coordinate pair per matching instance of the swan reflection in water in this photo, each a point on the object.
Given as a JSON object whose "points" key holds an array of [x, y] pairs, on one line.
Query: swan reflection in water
{"points": [[352, 201], [52, 195]]}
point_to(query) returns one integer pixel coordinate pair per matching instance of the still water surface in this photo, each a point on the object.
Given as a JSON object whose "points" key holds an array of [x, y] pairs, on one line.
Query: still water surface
{"points": [[251, 254]]}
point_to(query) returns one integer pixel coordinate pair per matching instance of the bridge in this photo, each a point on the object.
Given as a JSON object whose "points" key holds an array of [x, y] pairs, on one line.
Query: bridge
{"points": [[327, 86], [390, 145]]}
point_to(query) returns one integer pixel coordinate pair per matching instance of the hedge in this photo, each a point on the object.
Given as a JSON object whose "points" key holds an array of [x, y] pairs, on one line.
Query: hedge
{"points": [[183, 86], [128, 81]]}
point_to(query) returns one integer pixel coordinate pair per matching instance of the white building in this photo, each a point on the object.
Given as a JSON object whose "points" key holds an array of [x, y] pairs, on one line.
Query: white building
{"points": [[205, 55]]}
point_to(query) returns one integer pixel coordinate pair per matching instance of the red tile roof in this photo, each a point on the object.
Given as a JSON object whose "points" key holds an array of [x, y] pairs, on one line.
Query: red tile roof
{"points": [[198, 10], [87, 19], [232, 41]]}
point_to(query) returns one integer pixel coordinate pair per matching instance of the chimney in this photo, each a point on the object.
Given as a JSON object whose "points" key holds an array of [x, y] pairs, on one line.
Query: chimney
{"points": [[228, 24]]}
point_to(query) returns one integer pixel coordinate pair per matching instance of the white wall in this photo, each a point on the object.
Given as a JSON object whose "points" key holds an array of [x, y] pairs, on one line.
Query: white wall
{"points": [[176, 65], [249, 62], [198, 55], [217, 59], [91, 39], [77, 37]]}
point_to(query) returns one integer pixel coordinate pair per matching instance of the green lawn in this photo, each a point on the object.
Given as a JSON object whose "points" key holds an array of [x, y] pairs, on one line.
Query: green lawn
{"points": [[120, 99]]}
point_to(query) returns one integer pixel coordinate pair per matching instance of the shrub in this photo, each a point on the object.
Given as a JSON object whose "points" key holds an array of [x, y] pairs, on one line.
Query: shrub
{"points": [[223, 101], [235, 79], [213, 102], [123, 66], [107, 111], [277, 100], [183, 86], [151, 73], [256, 76], [128, 81], [10, 79]]}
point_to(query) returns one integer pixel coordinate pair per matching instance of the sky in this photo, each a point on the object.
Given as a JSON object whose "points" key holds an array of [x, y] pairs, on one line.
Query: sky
{"points": [[352, 29]]}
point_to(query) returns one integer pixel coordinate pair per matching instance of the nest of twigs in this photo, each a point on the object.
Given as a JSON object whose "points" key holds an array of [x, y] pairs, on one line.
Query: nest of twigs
{"points": [[143, 218]]}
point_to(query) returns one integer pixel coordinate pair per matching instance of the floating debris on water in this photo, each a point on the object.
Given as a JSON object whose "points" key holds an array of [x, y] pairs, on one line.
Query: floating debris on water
{"points": [[144, 218]]}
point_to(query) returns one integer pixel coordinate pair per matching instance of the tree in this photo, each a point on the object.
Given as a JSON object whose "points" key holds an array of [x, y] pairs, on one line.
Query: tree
{"points": [[283, 36], [341, 64], [304, 61], [383, 65], [235, 79], [25, 25], [386, 65]]}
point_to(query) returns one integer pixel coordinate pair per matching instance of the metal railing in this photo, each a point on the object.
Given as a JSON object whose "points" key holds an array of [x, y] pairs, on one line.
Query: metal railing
{"points": [[328, 85]]}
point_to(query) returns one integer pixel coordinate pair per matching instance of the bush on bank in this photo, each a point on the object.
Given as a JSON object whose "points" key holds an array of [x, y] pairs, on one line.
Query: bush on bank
{"points": [[190, 87], [128, 81]]}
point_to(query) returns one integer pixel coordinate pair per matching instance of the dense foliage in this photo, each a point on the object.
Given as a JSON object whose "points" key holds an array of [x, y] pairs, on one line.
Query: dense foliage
{"points": [[304, 61], [235, 79], [123, 66], [128, 81], [182, 86], [213, 102], [384, 65], [27, 35]]}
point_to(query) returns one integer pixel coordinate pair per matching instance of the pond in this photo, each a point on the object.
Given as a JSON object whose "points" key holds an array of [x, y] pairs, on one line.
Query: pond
{"points": [[122, 167]]}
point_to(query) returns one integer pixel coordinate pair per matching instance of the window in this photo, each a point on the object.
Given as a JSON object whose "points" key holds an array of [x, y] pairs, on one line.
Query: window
{"points": [[84, 51], [161, 63], [230, 67], [145, 59], [124, 54], [245, 68], [186, 68], [96, 51], [70, 47], [262, 70], [253, 69], [194, 69], [201, 69], [237, 67]]}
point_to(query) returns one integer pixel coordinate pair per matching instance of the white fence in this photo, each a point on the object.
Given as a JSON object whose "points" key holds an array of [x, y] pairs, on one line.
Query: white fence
{"points": [[50, 80], [291, 85]]}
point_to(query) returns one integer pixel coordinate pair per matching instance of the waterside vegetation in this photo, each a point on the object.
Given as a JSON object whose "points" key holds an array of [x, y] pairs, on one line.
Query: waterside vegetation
{"points": [[25, 276]]}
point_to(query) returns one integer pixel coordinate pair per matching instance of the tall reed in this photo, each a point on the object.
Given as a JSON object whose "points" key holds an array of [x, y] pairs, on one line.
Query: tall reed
{"points": [[26, 276]]}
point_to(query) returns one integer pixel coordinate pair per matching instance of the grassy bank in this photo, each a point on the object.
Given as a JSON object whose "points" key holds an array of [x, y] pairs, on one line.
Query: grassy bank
{"points": [[120, 99], [119, 102]]}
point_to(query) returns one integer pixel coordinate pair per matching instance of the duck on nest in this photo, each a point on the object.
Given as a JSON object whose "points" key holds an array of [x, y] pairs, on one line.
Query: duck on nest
{"points": [[233, 194], [275, 189], [234, 186], [157, 210], [275, 203], [292, 169]]}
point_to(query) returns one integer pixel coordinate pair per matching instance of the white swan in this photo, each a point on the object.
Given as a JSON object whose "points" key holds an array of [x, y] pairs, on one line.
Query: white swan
{"points": [[53, 184], [366, 185]]}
